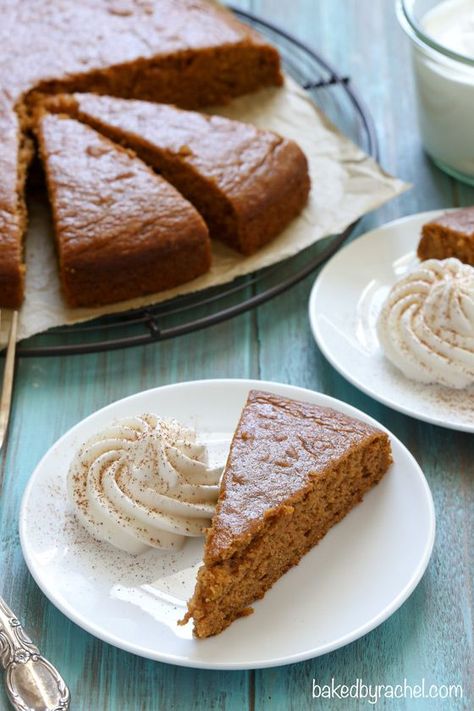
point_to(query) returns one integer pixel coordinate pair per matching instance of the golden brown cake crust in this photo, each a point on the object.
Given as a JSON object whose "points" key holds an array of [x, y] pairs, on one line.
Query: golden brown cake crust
{"points": [[14, 157], [247, 183], [450, 235], [279, 446], [294, 470], [190, 52], [132, 48], [121, 230]]}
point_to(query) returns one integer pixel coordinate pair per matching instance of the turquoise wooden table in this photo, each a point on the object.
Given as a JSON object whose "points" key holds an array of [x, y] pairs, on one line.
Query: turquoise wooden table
{"points": [[431, 636]]}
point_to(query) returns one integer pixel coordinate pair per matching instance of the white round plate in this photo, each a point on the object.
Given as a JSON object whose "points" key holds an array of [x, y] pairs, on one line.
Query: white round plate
{"points": [[345, 302], [357, 576]]}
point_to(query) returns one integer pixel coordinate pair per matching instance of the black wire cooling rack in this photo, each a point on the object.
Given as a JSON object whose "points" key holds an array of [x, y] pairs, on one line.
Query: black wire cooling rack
{"points": [[332, 93]]}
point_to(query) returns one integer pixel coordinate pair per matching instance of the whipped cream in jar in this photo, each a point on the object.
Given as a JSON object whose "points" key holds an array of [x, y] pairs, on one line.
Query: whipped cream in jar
{"points": [[442, 38], [144, 482]]}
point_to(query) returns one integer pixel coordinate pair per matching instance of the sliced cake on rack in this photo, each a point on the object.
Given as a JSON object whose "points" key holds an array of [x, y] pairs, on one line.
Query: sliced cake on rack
{"points": [[191, 52], [121, 230], [247, 183]]}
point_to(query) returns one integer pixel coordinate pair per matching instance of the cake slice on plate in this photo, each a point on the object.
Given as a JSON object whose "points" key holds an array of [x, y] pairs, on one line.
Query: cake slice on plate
{"points": [[247, 183], [449, 235], [121, 230], [293, 471]]}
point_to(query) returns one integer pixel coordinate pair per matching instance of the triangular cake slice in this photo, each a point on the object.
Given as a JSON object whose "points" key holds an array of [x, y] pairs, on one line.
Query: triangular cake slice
{"points": [[293, 471], [121, 230], [247, 183]]}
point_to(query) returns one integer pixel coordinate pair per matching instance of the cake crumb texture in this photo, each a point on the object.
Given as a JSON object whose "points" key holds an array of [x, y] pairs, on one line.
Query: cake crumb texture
{"points": [[294, 470], [450, 235], [121, 230], [247, 183], [188, 52]]}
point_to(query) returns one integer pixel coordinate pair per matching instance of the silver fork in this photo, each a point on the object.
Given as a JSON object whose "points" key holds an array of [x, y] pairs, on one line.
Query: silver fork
{"points": [[32, 683]]}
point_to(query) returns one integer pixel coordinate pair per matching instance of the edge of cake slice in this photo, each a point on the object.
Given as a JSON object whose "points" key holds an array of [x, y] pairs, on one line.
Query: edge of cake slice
{"points": [[449, 235], [191, 52], [121, 230], [15, 156], [293, 471], [247, 183]]}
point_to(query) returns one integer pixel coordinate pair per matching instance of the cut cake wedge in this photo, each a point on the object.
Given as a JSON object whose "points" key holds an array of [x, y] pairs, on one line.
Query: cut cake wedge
{"points": [[190, 52], [293, 471], [121, 230], [247, 183], [449, 235]]}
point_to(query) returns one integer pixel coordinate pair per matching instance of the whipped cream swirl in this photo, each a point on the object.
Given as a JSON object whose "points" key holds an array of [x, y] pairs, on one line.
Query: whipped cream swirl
{"points": [[426, 326], [142, 482]]}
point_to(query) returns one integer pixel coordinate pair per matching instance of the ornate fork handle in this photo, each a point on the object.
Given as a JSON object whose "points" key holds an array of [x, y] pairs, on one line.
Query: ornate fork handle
{"points": [[32, 683]]}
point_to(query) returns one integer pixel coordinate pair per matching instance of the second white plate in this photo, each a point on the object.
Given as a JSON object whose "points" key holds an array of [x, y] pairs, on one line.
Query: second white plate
{"points": [[345, 302], [357, 576]]}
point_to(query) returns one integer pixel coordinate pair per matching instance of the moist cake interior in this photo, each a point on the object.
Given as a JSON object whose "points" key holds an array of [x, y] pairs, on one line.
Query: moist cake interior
{"points": [[247, 183], [294, 470], [450, 235], [189, 52], [121, 230]]}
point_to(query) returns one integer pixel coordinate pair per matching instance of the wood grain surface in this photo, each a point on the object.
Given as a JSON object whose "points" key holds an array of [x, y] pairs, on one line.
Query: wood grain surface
{"points": [[431, 636]]}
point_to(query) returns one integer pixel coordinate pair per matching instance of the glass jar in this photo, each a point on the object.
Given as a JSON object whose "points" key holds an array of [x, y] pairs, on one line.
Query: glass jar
{"points": [[444, 75]]}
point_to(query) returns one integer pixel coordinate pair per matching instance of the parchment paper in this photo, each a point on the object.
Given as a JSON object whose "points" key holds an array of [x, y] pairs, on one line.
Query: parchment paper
{"points": [[346, 183]]}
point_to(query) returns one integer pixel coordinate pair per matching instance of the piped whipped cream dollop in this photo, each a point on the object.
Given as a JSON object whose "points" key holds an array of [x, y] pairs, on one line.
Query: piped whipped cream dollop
{"points": [[426, 326], [144, 481]]}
